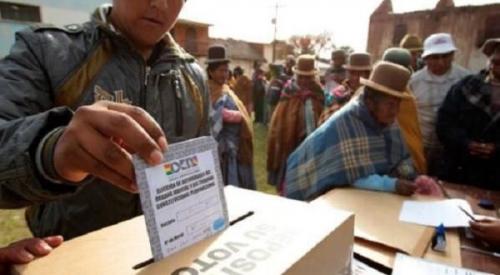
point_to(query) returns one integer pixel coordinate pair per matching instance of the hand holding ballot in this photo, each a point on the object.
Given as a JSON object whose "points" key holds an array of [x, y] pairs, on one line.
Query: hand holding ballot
{"points": [[488, 231], [99, 141]]}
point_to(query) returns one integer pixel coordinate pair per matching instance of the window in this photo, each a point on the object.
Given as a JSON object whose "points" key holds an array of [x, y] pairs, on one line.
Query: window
{"points": [[399, 32], [19, 12], [191, 41]]}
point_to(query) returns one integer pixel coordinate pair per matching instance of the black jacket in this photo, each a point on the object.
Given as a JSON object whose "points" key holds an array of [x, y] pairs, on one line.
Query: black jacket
{"points": [[465, 116], [52, 71]]}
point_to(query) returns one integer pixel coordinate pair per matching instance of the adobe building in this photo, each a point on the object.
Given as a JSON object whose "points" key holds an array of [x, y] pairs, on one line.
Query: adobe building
{"points": [[470, 26], [192, 36], [241, 53]]}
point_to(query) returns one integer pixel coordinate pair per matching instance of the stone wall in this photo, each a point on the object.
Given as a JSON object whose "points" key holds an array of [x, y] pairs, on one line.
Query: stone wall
{"points": [[469, 26]]}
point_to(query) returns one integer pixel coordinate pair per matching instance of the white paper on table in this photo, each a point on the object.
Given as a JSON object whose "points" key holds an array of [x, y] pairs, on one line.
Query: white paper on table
{"points": [[446, 212], [404, 265], [183, 198]]}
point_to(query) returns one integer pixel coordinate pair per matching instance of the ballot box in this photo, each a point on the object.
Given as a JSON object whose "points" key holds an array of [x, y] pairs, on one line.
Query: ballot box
{"points": [[269, 235]]}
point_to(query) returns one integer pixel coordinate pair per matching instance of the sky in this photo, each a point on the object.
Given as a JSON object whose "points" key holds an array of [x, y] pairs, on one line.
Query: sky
{"points": [[250, 20]]}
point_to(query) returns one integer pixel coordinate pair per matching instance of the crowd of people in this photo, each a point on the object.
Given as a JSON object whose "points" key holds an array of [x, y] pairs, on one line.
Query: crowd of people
{"points": [[77, 103]]}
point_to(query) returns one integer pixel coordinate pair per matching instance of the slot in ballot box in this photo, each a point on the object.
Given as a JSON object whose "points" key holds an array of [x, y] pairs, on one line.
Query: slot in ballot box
{"points": [[273, 235]]}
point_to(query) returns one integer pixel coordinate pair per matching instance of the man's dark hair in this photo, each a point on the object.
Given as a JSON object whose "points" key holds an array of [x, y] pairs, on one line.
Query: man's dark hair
{"points": [[238, 71], [213, 66]]}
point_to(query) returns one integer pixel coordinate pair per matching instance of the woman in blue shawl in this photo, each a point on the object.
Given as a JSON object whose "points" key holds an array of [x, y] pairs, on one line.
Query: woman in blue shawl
{"points": [[231, 124], [360, 145]]}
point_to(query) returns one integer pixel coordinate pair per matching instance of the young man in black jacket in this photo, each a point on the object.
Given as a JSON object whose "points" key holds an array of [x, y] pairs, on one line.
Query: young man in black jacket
{"points": [[469, 125]]}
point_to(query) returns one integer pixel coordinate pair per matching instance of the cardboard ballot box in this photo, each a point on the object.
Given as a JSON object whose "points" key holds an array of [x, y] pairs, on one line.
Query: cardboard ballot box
{"points": [[281, 237]]}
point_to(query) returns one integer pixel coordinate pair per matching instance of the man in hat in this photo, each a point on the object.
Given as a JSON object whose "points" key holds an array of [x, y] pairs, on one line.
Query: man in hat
{"points": [[430, 86], [231, 124], [336, 74], [77, 101], [408, 114], [294, 118], [358, 66], [243, 88], [413, 44], [468, 125], [359, 146]]}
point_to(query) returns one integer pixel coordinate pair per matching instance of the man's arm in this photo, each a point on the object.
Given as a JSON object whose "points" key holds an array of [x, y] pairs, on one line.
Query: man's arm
{"points": [[385, 183], [26, 116]]}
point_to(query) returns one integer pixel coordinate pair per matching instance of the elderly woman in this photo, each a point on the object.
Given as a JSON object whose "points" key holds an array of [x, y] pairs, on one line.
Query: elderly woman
{"points": [[231, 125], [295, 117], [359, 146]]}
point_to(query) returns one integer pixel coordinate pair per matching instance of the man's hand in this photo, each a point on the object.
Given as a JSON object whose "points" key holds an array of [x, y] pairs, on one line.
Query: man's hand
{"points": [[488, 231], [100, 139], [25, 251], [405, 187], [482, 150]]}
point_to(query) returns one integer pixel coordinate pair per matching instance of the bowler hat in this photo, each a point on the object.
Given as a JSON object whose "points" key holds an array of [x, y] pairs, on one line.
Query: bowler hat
{"points": [[398, 56], [411, 42], [339, 53], [305, 65], [390, 79], [217, 54], [359, 62]]}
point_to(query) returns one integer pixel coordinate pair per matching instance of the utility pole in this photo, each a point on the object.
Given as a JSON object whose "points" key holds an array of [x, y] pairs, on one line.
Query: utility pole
{"points": [[275, 22]]}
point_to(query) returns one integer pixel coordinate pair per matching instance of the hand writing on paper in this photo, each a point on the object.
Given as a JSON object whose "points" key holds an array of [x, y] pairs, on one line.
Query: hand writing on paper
{"points": [[405, 187], [488, 231]]}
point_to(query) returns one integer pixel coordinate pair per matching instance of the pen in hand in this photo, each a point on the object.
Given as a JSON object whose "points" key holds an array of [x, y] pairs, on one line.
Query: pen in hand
{"points": [[468, 214]]}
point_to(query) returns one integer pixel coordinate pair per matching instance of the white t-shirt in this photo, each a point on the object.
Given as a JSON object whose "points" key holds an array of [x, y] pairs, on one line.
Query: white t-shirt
{"points": [[430, 91]]}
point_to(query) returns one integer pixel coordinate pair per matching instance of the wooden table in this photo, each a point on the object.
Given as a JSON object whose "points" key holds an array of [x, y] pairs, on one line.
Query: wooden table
{"points": [[470, 260], [474, 260]]}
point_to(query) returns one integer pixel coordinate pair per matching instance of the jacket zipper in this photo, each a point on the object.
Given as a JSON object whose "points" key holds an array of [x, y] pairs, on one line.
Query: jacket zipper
{"points": [[178, 106], [147, 71]]}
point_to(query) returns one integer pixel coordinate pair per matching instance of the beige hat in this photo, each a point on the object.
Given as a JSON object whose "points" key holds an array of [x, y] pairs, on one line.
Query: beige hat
{"points": [[490, 45], [305, 65], [390, 79], [359, 62], [412, 43]]}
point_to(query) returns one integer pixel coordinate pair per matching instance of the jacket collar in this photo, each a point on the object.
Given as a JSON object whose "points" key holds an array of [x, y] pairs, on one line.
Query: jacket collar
{"points": [[451, 75], [477, 91]]}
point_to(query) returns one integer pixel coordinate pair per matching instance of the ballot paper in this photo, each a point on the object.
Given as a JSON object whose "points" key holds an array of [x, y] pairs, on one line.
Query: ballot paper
{"points": [[405, 265], [182, 199], [434, 213], [360, 268]]}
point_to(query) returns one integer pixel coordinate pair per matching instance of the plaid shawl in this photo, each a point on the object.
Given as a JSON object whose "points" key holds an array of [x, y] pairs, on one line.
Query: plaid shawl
{"points": [[347, 147]]}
